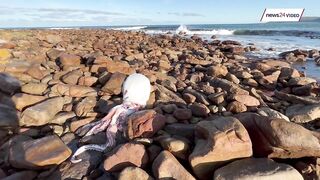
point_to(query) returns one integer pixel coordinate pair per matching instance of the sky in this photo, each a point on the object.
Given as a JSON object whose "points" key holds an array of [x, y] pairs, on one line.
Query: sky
{"points": [[64, 13]]}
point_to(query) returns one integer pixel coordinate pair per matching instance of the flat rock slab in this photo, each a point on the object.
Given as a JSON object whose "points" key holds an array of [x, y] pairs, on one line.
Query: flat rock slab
{"points": [[256, 168], [34, 154]]}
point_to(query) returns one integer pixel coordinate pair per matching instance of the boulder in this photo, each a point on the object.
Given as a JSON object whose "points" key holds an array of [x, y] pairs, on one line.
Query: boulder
{"points": [[125, 155], [164, 95], [199, 109], [179, 129], [257, 168], [134, 173], [166, 166], [34, 154], [228, 86], [217, 143], [144, 123], [72, 77], [22, 100], [236, 107], [85, 106], [278, 138], [62, 117], [182, 114], [300, 113], [200, 97], [114, 84], [179, 147], [53, 39], [296, 99], [34, 88], [246, 100], [69, 60], [41, 114], [9, 118], [217, 71], [268, 112], [301, 81], [73, 90]]}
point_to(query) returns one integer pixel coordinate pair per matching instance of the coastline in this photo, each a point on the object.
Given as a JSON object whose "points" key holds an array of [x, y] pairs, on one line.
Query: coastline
{"points": [[72, 77]]}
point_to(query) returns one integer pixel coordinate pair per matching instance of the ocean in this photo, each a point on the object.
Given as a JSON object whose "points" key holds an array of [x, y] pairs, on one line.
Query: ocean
{"points": [[279, 36]]}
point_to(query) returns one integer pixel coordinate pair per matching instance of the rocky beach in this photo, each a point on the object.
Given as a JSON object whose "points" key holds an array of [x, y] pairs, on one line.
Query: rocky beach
{"points": [[213, 113]]}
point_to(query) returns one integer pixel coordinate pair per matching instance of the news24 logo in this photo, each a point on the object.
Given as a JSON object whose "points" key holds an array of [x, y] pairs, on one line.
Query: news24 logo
{"points": [[282, 15]]}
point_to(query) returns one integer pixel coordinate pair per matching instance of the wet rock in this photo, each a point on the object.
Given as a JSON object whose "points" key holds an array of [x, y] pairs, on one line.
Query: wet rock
{"points": [[257, 168], [134, 173], [40, 114], [199, 109], [277, 138], [266, 111], [317, 60], [73, 90], [22, 100], [300, 113], [49, 150], [114, 84], [144, 123], [167, 166], [126, 155], [8, 84], [34, 88], [182, 114], [236, 107], [224, 136]]}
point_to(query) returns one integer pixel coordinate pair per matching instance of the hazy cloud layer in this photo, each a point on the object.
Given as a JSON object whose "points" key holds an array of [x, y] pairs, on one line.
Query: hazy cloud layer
{"points": [[186, 14]]}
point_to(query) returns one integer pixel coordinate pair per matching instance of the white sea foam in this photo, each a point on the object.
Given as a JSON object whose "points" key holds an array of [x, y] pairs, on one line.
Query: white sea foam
{"points": [[130, 28], [183, 29]]}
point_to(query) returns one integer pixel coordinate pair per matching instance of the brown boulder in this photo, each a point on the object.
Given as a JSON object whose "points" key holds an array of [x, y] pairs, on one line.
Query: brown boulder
{"points": [[126, 155], [73, 90], [277, 138], [114, 84], [217, 143], [246, 100], [199, 109], [134, 173], [34, 88], [22, 100], [257, 168], [32, 154], [182, 114], [166, 166], [217, 71], [144, 123], [236, 107], [228, 86], [69, 60]]}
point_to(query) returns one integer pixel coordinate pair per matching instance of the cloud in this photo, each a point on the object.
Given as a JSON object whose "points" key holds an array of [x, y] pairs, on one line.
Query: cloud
{"points": [[190, 14]]}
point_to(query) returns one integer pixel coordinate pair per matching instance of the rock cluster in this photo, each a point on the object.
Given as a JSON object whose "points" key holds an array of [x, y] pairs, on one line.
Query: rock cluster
{"points": [[212, 113]]}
